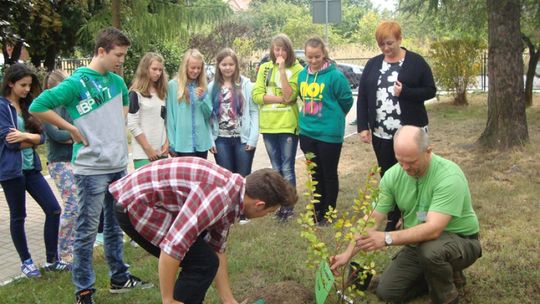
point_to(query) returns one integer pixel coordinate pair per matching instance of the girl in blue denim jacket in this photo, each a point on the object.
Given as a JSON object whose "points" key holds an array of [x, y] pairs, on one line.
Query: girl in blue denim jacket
{"points": [[20, 134]]}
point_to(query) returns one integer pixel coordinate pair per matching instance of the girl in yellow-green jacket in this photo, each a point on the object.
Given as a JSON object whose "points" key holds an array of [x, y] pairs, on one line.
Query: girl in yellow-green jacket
{"points": [[275, 92]]}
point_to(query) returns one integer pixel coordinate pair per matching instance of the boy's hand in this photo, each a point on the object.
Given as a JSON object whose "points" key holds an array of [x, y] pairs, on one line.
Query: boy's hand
{"points": [[77, 136]]}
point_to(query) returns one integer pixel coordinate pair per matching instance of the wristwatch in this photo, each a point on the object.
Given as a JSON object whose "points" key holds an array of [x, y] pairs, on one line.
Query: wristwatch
{"points": [[387, 238]]}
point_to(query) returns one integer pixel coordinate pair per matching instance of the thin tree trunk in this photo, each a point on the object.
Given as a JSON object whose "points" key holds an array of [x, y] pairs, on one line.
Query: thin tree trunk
{"points": [[116, 7], [534, 55], [50, 59], [461, 99], [506, 125]]}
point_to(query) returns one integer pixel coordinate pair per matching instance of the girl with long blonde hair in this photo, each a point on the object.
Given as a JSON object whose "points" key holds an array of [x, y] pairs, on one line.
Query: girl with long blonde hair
{"points": [[189, 108]]}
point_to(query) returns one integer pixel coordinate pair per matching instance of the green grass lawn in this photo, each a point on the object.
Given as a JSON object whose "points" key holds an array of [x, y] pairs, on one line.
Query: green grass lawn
{"points": [[505, 188]]}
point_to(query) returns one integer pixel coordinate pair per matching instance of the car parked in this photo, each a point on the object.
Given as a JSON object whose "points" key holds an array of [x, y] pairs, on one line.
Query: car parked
{"points": [[352, 72]]}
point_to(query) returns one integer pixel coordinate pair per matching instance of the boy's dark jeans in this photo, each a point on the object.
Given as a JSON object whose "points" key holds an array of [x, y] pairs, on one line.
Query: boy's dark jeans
{"points": [[199, 266]]}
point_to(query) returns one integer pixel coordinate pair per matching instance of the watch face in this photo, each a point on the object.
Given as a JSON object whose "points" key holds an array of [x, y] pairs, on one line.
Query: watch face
{"points": [[387, 238]]}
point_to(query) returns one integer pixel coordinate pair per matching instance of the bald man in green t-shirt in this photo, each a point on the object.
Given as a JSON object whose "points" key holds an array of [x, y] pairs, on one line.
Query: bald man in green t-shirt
{"points": [[440, 228]]}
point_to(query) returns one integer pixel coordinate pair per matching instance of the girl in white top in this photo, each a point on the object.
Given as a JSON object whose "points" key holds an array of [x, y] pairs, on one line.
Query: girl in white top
{"points": [[146, 117]]}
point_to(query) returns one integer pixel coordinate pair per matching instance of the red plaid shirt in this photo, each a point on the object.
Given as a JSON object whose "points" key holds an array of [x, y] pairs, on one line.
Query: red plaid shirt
{"points": [[171, 202]]}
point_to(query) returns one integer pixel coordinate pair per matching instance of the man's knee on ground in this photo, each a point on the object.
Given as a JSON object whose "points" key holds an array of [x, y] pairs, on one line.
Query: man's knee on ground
{"points": [[389, 294]]}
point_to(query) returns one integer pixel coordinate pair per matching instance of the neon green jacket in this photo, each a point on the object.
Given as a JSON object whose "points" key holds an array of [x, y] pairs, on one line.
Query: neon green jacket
{"points": [[276, 118]]}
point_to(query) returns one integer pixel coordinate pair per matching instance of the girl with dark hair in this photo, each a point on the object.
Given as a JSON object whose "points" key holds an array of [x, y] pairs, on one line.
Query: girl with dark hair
{"points": [[20, 167], [235, 118]]}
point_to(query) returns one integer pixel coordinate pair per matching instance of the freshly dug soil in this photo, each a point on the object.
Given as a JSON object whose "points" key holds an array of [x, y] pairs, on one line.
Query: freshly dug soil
{"points": [[287, 292]]}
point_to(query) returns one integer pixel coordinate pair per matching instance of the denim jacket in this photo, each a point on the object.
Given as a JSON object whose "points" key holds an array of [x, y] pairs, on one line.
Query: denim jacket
{"points": [[10, 153], [249, 134]]}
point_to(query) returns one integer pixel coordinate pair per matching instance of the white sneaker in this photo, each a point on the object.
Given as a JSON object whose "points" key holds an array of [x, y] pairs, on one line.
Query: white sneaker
{"points": [[243, 221]]}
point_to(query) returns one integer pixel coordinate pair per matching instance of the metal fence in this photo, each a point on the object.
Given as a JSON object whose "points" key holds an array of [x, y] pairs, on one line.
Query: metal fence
{"points": [[71, 64]]}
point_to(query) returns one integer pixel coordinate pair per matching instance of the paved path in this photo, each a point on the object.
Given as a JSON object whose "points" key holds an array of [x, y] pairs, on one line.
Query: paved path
{"points": [[9, 259]]}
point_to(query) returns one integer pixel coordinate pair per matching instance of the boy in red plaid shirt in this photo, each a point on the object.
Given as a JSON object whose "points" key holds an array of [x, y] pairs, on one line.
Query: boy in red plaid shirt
{"points": [[180, 210]]}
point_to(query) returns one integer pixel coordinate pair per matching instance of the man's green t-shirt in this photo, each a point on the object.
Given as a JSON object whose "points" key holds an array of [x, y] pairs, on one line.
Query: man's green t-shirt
{"points": [[444, 189]]}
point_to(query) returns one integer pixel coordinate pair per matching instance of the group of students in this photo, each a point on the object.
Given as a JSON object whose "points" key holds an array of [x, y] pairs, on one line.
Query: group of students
{"points": [[180, 208], [84, 118]]}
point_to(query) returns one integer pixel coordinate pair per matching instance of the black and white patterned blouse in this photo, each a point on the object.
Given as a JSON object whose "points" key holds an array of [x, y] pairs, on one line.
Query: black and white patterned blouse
{"points": [[388, 119]]}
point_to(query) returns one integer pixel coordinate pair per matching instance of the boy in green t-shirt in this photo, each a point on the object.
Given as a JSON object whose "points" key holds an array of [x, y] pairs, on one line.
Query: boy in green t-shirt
{"points": [[440, 226], [97, 100]]}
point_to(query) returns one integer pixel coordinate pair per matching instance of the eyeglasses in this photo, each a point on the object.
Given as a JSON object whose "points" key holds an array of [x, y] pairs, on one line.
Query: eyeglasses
{"points": [[386, 43]]}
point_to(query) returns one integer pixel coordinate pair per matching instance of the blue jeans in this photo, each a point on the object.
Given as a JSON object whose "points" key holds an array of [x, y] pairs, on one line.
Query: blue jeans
{"points": [[15, 192], [232, 155], [281, 149], [94, 197]]}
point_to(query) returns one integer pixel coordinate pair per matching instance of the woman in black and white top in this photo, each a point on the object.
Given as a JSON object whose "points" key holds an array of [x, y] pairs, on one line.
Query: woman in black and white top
{"points": [[146, 117], [392, 91]]}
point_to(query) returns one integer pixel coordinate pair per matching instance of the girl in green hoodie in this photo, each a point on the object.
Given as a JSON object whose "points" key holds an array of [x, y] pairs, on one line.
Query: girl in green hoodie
{"points": [[327, 98]]}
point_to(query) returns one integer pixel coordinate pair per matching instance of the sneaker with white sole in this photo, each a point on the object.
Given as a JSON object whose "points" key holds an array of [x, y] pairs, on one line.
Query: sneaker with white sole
{"points": [[30, 269], [57, 266], [132, 283]]}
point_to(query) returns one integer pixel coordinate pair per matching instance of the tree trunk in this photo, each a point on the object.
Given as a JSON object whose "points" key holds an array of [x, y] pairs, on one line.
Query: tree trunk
{"points": [[36, 60], [460, 99], [534, 55], [115, 8], [50, 59], [506, 125]]}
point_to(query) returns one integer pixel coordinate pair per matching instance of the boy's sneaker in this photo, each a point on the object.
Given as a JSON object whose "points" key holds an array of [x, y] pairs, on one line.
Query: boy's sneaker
{"points": [[57, 266], [30, 269], [131, 283], [84, 297]]}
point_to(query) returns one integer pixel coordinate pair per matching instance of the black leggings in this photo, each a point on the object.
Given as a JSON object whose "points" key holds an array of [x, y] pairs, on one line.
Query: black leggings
{"points": [[326, 172], [199, 266]]}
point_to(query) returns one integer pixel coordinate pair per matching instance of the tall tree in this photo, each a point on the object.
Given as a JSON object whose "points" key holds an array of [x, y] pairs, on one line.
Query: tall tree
{"points": [[10, 27], [506, 125], [47, 27], [507, 122]]}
